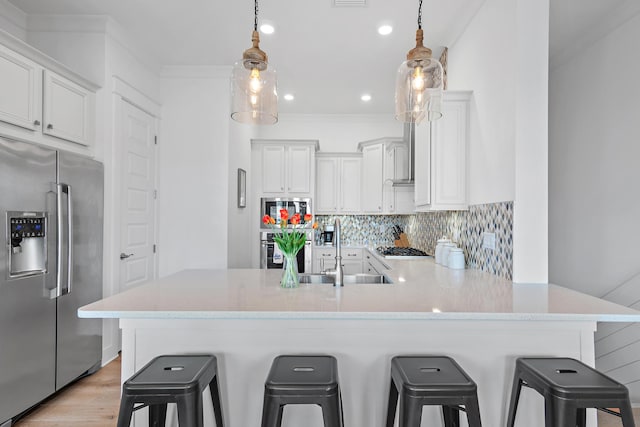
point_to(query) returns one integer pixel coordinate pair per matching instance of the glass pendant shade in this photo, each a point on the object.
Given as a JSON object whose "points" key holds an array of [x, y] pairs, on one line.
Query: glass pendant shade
{"points": [[419, 91], [254, 96]]}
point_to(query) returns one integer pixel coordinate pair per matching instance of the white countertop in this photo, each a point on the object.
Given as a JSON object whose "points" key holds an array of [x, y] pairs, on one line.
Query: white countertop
{"points": [[421, 290]]}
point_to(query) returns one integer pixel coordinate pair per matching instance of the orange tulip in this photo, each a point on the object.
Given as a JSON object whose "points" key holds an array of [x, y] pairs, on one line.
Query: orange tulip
{"points": [[272, 220], [315, 225], [284, 214], [295, 219], [307, 217], [266, 219]]}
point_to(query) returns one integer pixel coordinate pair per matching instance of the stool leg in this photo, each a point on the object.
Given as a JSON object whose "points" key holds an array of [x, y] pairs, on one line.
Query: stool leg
{"points": [[393, 402], [157, 415], [451, 416], [214, 389], [559, 413], [271, 412], [126, 410], [331, 412], [190, 411], [582, 417], [473, 412], [627, 414], [515, 396], [410, 411]]}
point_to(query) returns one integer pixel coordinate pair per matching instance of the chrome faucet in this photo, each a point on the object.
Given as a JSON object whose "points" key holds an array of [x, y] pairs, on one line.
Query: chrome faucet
{"points": [[337, 271]]}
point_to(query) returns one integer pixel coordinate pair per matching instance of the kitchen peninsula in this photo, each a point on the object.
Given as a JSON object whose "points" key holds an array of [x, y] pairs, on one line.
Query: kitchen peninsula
{"points": [[246, 319]]}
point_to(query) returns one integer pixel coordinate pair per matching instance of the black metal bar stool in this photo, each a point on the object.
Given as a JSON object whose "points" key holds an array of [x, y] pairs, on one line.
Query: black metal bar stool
{"points": [[431, 380], [179, 379], [308, 379], [568, 387]]}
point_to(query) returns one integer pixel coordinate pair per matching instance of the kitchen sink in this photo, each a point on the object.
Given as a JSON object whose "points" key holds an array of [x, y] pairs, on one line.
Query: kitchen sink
{"points": [[347, 279]]}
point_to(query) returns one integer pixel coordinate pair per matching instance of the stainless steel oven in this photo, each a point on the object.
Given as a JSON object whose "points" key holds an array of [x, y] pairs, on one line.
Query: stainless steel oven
{"points": [[272, 206], [269, 254]]}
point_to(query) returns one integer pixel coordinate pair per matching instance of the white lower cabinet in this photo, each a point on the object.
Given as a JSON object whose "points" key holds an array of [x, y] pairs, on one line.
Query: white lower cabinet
{"points": [[372, 265], [324, 258], [338, 183], [441, 157]]}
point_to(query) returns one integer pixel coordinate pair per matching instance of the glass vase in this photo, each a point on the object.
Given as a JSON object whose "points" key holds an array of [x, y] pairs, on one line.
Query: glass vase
{"points": [[290, 277]]}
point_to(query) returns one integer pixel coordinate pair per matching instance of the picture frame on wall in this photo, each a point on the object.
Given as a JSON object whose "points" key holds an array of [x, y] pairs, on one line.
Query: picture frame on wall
{"points": [[242, 188]]}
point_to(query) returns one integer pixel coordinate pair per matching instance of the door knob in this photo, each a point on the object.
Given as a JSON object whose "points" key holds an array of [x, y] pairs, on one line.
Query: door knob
{"points": [[125, 256]]}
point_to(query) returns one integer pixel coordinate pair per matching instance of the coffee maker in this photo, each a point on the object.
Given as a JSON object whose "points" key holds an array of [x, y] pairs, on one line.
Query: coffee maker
{"points": [[327, 236]]}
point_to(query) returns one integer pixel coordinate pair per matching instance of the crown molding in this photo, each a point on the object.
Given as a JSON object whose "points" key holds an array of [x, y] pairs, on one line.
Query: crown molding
{"points": [[13, 19]]}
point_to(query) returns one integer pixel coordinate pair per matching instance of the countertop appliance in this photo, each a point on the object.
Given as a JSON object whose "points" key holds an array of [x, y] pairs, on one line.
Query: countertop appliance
{"points": [[51, 210], [393, 252]]}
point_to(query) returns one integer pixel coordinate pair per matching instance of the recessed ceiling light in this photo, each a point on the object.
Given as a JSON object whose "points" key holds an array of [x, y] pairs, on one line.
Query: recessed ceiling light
{"points": [[366, 97], [288, 97], [385, 30], [267, 29]]}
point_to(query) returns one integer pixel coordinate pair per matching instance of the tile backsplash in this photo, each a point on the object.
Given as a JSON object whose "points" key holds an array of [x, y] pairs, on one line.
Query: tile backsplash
{"points": [[423, 229]]}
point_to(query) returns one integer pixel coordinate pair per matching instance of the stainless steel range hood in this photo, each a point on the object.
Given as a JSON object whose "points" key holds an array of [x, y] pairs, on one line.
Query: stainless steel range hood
{"points": [[409, 137]]}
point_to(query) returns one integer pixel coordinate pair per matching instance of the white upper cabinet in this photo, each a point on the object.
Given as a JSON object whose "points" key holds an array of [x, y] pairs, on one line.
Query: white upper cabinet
{"points": [[68, 109], [384, 161], [21, 89], [284, 168], [373, 178], [338, 183], [441, 157], [42, 101]]}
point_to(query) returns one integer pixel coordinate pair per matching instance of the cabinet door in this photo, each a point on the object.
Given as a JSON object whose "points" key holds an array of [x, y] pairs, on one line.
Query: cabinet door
{"points": [[300, 170], [351, 174], [67, 112], [449, 157], [273, 169], [372, 178], [351, 267], [21, 89], [327, 185], [422, 172]]}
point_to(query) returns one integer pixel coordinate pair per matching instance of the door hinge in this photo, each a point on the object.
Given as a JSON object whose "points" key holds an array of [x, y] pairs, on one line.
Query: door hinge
{"points": [[155, 194], [155, 139], [154, 249]]}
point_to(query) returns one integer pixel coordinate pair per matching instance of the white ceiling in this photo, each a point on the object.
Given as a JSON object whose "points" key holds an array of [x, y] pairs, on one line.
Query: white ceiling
{"points": [[315, 42]]}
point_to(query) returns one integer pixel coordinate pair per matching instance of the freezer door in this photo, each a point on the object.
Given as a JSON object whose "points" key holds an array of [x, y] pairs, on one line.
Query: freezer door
{"points": [[27, 313], [79, 340]]}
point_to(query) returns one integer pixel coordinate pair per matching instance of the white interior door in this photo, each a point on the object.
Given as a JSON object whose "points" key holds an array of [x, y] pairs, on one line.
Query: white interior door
{"points": [[137, 259]]}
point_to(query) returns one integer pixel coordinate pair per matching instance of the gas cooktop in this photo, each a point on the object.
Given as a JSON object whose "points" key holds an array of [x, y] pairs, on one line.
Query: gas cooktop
{"points": [[401, 253]]}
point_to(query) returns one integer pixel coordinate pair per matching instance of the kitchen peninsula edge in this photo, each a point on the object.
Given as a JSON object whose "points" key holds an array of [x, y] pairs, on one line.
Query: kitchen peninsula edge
{"points": [[246, 319]]}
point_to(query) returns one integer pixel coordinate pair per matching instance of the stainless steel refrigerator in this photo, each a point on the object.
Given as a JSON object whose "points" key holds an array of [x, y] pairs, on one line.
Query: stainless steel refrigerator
{"points": [[51, 213]]}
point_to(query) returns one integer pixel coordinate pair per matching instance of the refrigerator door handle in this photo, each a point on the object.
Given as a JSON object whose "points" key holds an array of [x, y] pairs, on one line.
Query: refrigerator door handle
{"points": [[60, 290]]}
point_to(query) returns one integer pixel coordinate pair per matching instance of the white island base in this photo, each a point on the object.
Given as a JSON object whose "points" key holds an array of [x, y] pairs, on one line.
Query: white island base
{"points": [[245, 348]]}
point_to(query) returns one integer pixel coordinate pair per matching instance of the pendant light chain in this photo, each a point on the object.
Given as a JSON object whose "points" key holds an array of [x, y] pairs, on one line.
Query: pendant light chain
{"points": [[255, 22], [419, 15]]}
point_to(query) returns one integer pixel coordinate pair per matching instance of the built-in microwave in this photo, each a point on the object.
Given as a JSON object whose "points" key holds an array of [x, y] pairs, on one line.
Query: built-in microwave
{"points": [[271, 206]]}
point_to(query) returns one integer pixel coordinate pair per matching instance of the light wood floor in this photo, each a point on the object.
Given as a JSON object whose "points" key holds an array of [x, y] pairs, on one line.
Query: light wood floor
{"points": [[91, 402], [94, 402]]}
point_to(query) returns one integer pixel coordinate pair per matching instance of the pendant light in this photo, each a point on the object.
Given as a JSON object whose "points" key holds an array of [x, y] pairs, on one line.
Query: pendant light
{"points": [[254, 98], [419, 83]]}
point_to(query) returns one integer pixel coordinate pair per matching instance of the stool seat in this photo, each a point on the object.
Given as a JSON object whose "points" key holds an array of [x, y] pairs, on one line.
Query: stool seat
{"points": [[568, 387], [179, 379], [302, 379], [431, 380]]}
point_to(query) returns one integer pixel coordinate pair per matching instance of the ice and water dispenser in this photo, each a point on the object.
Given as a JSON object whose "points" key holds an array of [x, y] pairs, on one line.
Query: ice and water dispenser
{"points": [[27, 233]]}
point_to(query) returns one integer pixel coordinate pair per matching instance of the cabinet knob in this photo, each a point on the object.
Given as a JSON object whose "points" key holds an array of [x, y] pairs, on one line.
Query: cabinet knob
{"points": [[36, 122], [49, 126], [281, 188]]}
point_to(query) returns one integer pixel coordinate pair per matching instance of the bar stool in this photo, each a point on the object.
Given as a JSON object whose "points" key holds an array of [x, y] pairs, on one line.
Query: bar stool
{"points": [[179, 379], [568, 386], [431, 380], [304, 379]]}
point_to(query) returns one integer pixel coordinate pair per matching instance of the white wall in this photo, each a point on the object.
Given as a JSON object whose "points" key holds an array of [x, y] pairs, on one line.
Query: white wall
{"points": [[483, 60], [193, 170], [503, 56], [335, 132], [593, 193]]}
